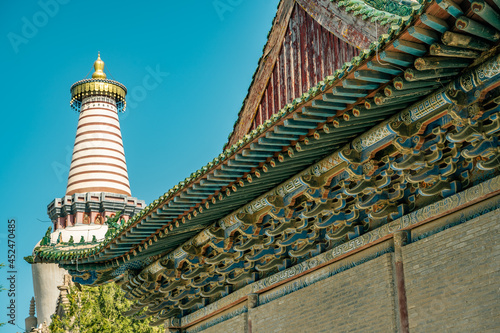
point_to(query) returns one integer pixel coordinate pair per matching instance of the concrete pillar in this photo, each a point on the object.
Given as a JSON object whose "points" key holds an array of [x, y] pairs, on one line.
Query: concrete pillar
{"points": [[46, 279]]}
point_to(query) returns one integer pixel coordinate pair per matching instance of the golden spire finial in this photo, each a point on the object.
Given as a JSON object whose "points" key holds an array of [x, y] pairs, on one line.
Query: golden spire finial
{"points": [[99, 68]]}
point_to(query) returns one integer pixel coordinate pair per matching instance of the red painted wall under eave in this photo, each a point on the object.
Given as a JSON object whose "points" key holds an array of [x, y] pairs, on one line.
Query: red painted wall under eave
{"points": [[309, 53]]}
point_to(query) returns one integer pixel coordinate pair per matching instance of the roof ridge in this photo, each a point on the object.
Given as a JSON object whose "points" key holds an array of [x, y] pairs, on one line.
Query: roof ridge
{"points": [[378, 8]]}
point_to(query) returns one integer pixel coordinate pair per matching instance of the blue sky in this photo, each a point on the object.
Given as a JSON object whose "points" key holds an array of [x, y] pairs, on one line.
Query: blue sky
{"points": [[204, 54]]}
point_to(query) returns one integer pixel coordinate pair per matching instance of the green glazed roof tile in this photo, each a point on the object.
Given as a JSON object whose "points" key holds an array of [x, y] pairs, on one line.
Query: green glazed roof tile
{"points": [[327, 83], [381, 11]]}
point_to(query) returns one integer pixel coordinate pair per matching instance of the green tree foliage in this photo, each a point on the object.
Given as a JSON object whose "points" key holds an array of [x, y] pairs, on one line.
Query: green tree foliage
{"points": [[99, 310]]}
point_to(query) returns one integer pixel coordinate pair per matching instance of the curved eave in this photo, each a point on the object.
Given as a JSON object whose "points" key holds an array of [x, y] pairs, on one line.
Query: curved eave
{"points": [[319, 122]]}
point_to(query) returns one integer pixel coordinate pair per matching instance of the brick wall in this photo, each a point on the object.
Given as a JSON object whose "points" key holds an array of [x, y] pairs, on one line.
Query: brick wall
{"points": [[236, 324], [360, 299], [452, 278], [451, 281]]}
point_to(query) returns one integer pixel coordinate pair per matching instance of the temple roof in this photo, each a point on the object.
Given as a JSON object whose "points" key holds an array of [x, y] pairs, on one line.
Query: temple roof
{"points": [[330, 115]]}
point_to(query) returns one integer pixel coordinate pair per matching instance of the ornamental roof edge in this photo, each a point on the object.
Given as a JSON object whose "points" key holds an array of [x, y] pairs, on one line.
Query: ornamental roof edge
{"points": [[348, 69], [276, 119]]}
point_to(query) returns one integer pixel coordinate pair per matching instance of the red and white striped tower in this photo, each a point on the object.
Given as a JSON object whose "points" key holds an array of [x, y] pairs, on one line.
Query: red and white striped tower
{"points": [[98, 186], [98, 162]]}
